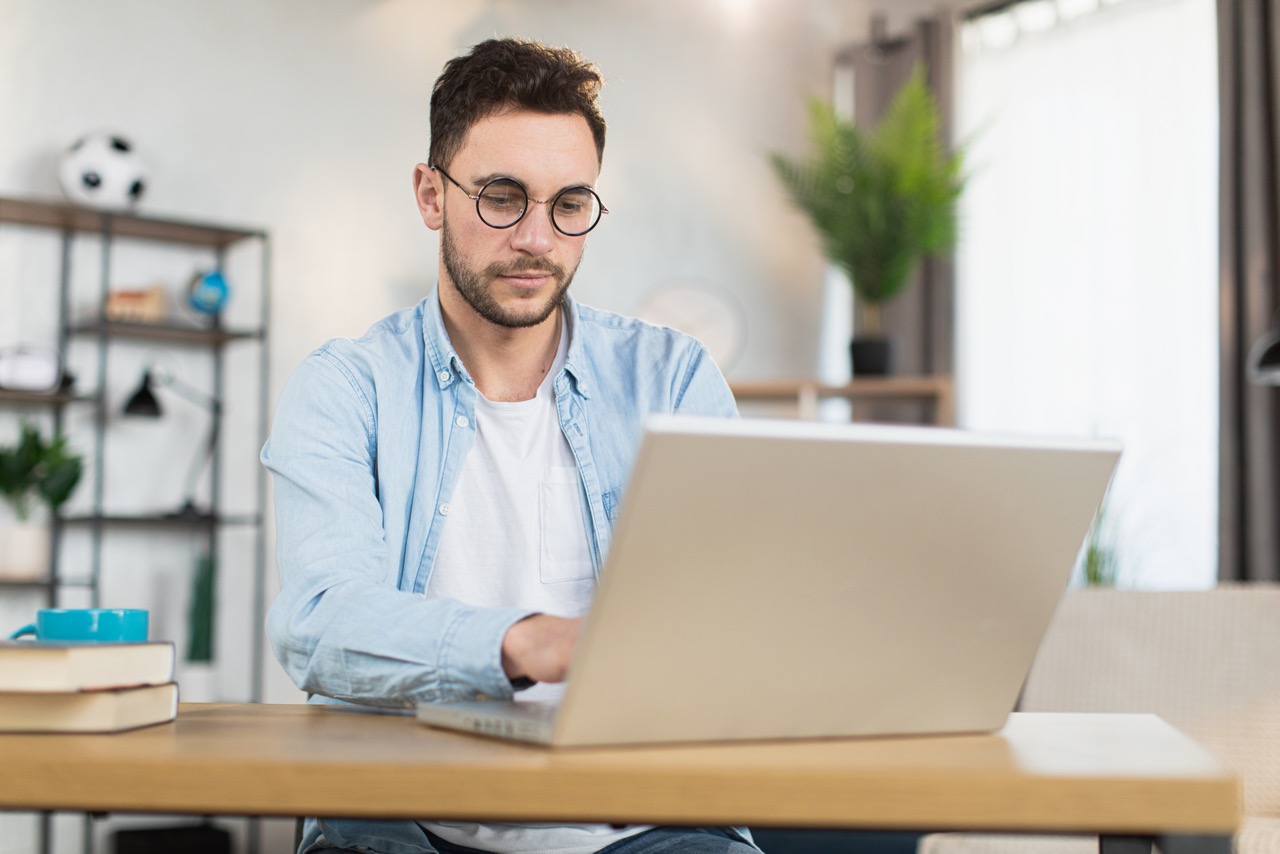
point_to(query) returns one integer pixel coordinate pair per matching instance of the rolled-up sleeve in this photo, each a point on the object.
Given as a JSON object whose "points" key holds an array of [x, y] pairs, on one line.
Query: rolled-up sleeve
{"points": [[340, 626]]}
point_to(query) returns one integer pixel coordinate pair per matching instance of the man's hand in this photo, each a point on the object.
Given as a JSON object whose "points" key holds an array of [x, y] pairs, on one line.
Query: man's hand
{"points": [[540, 647]]}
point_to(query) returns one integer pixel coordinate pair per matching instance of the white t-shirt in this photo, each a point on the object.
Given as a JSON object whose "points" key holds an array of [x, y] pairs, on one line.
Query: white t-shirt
{"points": [[516, 537]]}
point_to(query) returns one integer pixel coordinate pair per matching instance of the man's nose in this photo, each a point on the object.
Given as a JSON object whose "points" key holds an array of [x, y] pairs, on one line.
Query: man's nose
{"points": [[534, 233]]}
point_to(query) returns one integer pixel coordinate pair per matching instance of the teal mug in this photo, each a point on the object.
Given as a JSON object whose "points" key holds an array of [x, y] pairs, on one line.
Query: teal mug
{"points": [[87, 625]]}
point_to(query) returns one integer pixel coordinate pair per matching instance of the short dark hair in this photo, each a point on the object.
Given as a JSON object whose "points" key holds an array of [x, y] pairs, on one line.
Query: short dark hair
{"points": [[500, 74]]}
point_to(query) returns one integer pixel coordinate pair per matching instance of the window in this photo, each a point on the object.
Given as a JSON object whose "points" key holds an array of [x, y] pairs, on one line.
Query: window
{"points": [[1087, 268]]}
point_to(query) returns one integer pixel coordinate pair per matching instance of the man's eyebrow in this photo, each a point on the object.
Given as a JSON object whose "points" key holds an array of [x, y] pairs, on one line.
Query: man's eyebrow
{"points": [[481, 180]]}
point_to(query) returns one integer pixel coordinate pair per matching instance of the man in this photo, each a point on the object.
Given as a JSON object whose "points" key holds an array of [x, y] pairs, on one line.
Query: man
{"points": [[446, 485]]}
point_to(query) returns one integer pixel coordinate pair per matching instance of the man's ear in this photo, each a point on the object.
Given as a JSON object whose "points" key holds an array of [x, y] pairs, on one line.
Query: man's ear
{"points": [[428, 189]]}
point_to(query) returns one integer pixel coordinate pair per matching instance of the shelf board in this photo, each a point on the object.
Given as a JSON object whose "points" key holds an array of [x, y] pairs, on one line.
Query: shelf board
{"points": [[46, 213], [168, 333], [935, 391], [861, 387], [12, 397], [37, 584], [45, 583], [162, 520]]}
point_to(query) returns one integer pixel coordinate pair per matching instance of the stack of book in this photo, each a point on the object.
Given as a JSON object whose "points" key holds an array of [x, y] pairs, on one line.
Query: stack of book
{"points": [[85, 687]]}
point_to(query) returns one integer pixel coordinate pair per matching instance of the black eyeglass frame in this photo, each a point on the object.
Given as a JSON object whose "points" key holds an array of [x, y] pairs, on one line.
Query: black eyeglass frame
{"points": [[550, 203]]}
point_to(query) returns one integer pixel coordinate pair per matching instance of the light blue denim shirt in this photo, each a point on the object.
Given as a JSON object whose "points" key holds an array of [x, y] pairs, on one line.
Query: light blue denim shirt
{"points": [[366, 446]]}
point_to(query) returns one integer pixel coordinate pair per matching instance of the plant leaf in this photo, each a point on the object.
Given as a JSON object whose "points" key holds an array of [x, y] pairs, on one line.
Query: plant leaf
{"points": [[33, 468], [881, 201]]}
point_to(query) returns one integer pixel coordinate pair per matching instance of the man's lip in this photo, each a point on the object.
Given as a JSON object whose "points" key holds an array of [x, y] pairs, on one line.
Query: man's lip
{"points": [[527, 279]]}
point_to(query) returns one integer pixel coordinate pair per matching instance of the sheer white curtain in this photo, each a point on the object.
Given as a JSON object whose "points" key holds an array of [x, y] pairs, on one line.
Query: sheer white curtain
{"points": [[1087, 270]]}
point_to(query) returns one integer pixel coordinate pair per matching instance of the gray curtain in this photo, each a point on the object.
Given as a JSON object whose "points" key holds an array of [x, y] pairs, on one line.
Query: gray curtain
{"points": [[922, 320], [1249, 233]]}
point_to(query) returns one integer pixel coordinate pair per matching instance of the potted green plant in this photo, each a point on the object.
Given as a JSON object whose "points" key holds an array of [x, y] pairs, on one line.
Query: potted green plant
{"points": [[1100, 561], [32, 472], [880, 200]]}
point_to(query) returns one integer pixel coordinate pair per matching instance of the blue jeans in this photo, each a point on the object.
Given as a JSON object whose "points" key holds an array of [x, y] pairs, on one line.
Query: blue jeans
{"points": [[660, 840]]}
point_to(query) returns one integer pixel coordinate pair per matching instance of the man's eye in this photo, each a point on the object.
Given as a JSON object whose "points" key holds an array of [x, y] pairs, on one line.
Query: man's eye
{"points": [[501, 201], [576, 203]]}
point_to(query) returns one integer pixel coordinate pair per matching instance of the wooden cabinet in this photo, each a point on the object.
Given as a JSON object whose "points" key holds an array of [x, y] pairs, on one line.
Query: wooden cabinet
{"points": [[866, 395]]}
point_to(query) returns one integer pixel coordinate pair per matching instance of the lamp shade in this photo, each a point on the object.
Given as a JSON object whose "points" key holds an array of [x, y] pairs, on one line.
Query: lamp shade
{"points": [[143, 402], [1264, 360]]}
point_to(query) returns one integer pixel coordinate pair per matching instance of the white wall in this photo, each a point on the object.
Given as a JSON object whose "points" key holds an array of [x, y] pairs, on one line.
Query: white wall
{"points": [[1086, 270], [307, 117]]}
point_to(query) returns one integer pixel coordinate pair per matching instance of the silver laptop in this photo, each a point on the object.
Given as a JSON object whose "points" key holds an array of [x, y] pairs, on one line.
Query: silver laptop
{"points": [[785, 579]]}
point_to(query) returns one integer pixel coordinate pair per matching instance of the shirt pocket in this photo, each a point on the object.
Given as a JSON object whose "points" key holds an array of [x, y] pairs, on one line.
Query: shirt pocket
{"points": [[565, 553]]}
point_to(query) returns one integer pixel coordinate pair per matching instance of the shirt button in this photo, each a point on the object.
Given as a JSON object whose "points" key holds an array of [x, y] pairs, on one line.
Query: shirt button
{"points": [[461, 421], [443, 376], [444, 509]]}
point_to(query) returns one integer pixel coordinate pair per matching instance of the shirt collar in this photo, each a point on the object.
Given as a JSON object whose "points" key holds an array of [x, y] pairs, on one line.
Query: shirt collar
{"points": [[444, 362], [446, 365]]}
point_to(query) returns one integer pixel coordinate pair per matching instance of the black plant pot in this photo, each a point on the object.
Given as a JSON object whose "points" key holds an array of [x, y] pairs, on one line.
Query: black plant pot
{"points": [[871, 357]]}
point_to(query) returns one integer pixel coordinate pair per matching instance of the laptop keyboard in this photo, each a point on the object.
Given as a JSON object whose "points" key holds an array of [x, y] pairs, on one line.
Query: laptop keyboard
{"points": [[536, 710]]}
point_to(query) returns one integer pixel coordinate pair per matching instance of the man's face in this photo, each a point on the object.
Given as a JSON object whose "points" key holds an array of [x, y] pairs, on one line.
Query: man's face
{"points": [[515, 277]]}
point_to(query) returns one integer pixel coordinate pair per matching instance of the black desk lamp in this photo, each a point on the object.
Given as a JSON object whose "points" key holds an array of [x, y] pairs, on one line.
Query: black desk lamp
{"points": [[143, 403], [1264, 359]]}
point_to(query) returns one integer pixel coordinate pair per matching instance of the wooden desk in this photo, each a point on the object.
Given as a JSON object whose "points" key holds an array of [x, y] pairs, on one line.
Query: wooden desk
{"points": [[937, 392], [1116, 774]]}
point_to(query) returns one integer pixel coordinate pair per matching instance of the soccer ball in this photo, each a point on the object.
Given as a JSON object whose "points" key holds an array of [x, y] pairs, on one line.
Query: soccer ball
{"points": [[103, 171]]}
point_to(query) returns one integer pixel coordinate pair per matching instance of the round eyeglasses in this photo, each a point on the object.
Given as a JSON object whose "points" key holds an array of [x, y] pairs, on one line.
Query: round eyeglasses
{"points": [[502, 203]]}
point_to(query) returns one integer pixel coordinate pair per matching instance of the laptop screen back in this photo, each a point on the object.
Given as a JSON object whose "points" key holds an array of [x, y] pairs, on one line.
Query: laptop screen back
{"points": [[782, 579]]}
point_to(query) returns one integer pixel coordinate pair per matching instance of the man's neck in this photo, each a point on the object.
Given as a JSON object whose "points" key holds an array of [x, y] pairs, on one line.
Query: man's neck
{"points": [[506, 364]]}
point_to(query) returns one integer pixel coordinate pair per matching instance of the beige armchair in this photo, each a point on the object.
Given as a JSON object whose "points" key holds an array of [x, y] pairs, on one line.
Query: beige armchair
{"points": [[1207, 661]]}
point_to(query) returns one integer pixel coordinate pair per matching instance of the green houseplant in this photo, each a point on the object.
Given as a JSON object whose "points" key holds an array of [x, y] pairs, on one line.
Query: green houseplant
{"points": [[33, 471], [880, 200], [1100, 562]]}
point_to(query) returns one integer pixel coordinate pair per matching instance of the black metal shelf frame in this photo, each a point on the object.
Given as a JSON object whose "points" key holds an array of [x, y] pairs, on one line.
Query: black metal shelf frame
{"points": [[72, 221], [15, 398], [167, 520]]}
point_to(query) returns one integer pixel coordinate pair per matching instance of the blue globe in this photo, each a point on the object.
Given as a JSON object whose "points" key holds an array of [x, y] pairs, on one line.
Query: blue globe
{"points": [[208, 292]]}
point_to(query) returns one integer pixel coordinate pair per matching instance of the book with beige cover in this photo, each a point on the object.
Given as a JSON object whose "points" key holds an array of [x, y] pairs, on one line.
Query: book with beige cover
{"points": [[86, 687], [48, 667], [106, 710]]}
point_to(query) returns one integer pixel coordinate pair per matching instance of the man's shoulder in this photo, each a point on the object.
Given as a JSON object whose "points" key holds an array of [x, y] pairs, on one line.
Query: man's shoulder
{"points": [[600, 326], [660, 368], [398, 335]]}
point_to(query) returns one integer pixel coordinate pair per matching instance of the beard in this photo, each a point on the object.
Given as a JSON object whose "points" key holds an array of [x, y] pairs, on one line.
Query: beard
{"points": [[476, 286]]}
